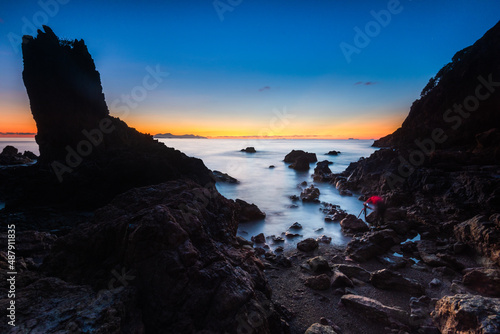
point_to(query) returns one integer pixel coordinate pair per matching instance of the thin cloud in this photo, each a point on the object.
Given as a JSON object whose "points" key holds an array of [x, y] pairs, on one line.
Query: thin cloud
{"points": [[264, 88], [365, 83]]}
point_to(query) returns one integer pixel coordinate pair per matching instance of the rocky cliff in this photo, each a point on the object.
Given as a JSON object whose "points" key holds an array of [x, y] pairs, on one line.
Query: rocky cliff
{"points": [[458, 104]]}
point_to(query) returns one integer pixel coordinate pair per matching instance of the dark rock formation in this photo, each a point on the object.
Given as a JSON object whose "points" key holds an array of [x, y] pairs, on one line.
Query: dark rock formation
{"points": [[223, 177], [333, 153], [307, 245], [249, 150], [467, 314], [248, 212], [295, 154], [178, 258], [371, 244], [86, 156], [11, 156], [388, 280], [322, 172], [318, 265], [351, 224], [486, 281], [300, 164], [310, 194], [451, 105]]}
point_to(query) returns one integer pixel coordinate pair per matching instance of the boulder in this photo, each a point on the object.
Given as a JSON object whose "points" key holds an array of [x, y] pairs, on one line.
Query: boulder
{"points": [[223, 177], [318, 265], [318, 328], [374, 310], [340, 280], [295, 154], [178, 257], [333, 153], [249, 212], [351, 224], [482, 235], [259, 238], [322, 172], [486, 281], [307, 245], [386, 279], [295, 226], [352, 271], [310, 194], [249, 150], [371, 244], [320, 282], [301, 164], [467, 314]]}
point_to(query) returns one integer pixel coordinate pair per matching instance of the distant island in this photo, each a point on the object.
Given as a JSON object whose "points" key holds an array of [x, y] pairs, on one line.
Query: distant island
{"points": [[169, 135]]}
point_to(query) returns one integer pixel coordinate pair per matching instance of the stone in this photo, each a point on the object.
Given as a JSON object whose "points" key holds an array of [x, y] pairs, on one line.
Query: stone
{"points": [[318, 265], [340, 280], [371, 244], [307, 245], [324, 239], [464, 313], [333, 153], [374, 310], [353, 271], [481, 235], [318, 328], [249, 212], [259, 238], [386, 279], [310, 194], [295, 226], [351, 224], [290, 235], [295, 154], [486, 281], [320, 282], [223, 177], [435, 283], [301, 164], [248, 150], [322, 172]]}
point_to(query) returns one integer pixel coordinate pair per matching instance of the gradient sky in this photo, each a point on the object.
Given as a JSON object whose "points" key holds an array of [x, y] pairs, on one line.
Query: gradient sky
{"points": [[250, 67]]}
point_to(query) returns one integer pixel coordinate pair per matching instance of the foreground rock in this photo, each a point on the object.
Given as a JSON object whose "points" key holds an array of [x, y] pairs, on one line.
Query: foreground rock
{"points": [[307, 245], [388, 280], [486, 281], [374, 310], [482, 235], [183, 268], [467, 314], [351, 224], [371, 244]]}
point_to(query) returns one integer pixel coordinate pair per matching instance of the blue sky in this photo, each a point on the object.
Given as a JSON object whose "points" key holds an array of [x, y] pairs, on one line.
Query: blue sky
{"points": [[233, 64]]}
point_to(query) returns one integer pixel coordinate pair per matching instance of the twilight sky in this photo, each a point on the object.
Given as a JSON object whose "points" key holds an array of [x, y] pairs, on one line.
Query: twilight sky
{"points": [[329, 68]]}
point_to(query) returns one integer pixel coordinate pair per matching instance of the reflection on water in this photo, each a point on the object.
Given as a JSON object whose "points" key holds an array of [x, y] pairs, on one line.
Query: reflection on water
{"points": [[270, 188]]}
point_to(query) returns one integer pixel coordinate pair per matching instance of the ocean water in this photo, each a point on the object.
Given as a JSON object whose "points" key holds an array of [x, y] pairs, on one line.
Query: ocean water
{"points": [[269, 188]]}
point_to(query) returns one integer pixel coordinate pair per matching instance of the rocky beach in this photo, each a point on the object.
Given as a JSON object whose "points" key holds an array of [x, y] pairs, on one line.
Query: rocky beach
{"points": [[117, 233]]}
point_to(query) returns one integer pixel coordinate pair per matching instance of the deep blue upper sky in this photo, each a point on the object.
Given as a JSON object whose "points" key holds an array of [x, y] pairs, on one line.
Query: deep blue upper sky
{"points": [[231, 68]]}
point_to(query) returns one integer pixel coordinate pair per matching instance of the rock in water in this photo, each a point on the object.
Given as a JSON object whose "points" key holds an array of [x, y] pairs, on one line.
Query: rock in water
{"points": [[184, 267], [295, 154], [87, 156]]}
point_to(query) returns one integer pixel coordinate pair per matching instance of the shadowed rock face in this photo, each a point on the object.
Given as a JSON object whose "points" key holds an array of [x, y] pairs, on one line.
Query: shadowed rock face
{"points": [[457, 84], [86, 156]]}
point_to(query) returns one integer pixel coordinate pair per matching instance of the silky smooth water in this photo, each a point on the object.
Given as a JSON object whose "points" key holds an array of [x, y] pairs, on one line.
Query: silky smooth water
{"points": [[269, 188]]}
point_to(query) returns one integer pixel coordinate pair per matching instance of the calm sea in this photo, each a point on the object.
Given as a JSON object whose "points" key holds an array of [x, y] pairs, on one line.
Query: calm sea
{"points": [[269, 188]]}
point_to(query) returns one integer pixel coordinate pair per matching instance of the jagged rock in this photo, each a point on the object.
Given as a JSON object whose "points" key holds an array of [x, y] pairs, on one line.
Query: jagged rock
{"points": [[223, 177], [310, 194], [467, 314], [324, 239], [307, 245], [259, 238], [322, 172], [486, 281], [351, 224], [386, 279], [318, 328], [352, 271], [300, 164], [333, 153], [249, 150], [320, 282], [318, 264], [295, 154], [295, 226], [181, 257], [249, 212], [374, 310], [481, 235], [340, 280], [371, 244], [11, 156]]}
